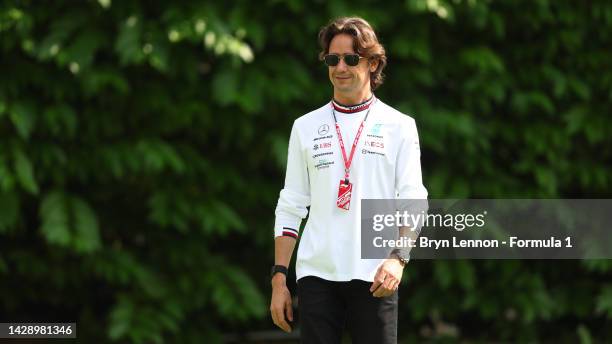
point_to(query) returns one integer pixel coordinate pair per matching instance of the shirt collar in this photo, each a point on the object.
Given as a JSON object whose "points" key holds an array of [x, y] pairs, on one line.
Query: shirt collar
{"points": [[352, 108]]}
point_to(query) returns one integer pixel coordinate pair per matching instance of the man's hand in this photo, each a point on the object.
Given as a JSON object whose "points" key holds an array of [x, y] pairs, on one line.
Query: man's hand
{"points": [[388, 278], [281, 302]]}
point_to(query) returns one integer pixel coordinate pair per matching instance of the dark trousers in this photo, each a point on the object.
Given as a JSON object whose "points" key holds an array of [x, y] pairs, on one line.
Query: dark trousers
{"points": [[325, 308]]}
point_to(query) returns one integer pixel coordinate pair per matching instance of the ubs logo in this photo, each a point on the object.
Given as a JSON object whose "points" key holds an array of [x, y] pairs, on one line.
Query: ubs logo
{"points": [[323, 129], [322, 145]]}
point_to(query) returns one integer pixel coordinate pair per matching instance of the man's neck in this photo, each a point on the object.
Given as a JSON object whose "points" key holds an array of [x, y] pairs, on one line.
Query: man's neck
{"points": [[352, 99]]}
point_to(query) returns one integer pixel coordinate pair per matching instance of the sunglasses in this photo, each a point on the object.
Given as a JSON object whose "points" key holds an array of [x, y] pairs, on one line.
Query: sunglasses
{"points": [[332, 60]]}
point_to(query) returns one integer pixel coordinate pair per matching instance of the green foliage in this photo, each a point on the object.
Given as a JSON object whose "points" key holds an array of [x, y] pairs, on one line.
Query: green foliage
{"points": [[9, 210], [68, 221], [604, 301], [142, 149]]}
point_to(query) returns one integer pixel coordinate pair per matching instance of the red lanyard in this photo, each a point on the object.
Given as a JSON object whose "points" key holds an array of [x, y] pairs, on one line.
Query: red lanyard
{"points": [[347, 162]]}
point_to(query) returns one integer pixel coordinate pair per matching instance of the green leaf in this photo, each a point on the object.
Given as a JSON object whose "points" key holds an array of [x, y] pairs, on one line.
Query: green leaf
{"points": [[483, 59], [25, 172], [252, 299], [86, 237], [120, 319], [159, 54], [98, 79], [69, 221], [584, 334], [219, 218], [228, 216], [23, 117], [129, 45], [55, 222], [604, 302], [7, 181], [81, 51]]}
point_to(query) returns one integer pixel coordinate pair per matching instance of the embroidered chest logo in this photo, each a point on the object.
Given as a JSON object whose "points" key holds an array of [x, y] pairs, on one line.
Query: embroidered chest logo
{"points": [[323, 133], [321, 145], [367, 151], [375, 131], [323, 163], [375, 144]]}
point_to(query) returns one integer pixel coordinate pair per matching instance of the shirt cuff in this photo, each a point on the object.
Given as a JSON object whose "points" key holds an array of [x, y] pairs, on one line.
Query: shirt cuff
{"points": [[287, 227]]}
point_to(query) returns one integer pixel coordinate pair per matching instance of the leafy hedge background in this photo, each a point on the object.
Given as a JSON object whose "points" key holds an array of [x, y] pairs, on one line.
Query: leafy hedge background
{"points": [[143, 146]]}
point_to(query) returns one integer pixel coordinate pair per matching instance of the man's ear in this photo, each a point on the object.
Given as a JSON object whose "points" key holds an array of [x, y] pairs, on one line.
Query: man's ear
{"points": [[373, 66]]}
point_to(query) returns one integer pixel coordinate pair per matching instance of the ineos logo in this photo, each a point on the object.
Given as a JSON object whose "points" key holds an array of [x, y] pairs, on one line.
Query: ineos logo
{"points": [[324, 129]]}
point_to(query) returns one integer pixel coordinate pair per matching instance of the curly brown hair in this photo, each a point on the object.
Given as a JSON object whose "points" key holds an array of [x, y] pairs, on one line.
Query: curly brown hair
{"points": [[365, 43]]}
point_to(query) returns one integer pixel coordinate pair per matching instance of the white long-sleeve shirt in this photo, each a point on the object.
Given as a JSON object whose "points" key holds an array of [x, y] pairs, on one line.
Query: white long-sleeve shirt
{"points": [[386, 165]]}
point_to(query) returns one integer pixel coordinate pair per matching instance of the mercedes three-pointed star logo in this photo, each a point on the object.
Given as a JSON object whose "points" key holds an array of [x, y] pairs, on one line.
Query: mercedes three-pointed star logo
{"points": [[323, 129]]}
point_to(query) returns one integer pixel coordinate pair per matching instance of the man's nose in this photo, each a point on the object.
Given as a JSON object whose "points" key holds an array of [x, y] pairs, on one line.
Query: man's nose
{"points": [[341, 65]]}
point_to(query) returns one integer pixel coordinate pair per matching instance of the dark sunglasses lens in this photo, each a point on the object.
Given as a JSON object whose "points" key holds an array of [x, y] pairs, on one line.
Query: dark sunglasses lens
{"points": [[351, 60], [332, 60]]}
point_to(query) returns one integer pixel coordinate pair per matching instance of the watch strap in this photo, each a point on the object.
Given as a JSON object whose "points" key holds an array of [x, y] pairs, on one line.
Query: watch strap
{"points": [[279, 268]]}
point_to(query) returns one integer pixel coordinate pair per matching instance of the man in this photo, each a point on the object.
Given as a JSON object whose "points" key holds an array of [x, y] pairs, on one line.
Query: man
{"points": [[352, 148]]}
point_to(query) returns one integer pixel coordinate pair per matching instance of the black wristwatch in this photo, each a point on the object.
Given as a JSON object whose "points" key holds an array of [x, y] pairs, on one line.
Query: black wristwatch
{"points": [[279, 268]]}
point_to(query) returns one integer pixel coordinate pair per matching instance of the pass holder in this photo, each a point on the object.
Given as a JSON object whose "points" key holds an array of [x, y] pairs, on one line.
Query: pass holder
{"points": [[345, 190]]}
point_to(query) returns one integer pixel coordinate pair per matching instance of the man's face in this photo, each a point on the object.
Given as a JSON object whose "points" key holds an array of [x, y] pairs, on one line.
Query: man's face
{"points": [[348, 81]]}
